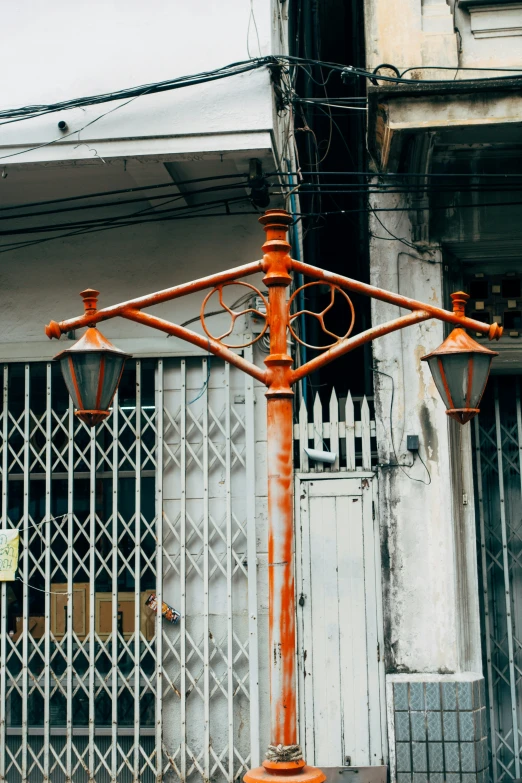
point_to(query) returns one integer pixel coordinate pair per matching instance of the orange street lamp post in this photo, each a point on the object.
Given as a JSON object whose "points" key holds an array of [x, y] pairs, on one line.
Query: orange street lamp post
{"points": [[92, 369]]}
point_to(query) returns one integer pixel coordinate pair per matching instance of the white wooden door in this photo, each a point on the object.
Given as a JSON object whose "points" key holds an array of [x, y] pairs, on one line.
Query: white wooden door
{"points": [[341, 677]]}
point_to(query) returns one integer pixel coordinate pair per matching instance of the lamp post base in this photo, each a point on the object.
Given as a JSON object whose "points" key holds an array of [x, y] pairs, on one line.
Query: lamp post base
{"points": [[284, 772]]}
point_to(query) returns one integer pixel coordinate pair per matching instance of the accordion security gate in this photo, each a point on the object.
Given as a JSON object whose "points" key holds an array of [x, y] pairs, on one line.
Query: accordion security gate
{"points": [[158, 499], [498, 482]]}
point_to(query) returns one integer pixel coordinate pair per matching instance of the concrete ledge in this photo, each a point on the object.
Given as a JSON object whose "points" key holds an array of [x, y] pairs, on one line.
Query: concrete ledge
{"points": [[399, 111]]}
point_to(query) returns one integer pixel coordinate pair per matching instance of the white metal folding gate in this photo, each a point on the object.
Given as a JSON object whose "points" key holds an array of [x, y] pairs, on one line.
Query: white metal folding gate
{"points": [[498, 482], [155, 500], [339, 620]]}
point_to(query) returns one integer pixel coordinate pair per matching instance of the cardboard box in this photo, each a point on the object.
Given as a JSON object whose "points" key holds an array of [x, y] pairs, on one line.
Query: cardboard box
{"points": [[126, 615], [35, 626], [80, 609], [102, 612]]}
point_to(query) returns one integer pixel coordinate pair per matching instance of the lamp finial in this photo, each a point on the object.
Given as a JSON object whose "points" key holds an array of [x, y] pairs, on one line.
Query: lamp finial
{"points": [[459, 299], [90, 300]]}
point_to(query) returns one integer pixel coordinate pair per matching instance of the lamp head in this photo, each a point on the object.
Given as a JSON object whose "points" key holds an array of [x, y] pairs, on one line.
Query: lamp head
{"points": [[460, 368], [92, 369]]}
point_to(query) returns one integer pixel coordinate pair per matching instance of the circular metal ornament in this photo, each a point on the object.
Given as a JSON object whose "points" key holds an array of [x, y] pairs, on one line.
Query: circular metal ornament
{"points": [[234, 315], [320, 316]]}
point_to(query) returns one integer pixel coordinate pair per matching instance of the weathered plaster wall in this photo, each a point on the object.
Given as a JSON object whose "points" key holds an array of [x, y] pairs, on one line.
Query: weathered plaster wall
{"points": [[490, 37], [420, 558], [410, 33], [442, 33], [431, 613]]}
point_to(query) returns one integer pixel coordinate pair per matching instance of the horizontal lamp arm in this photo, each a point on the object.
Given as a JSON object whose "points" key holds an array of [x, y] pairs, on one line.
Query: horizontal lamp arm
{"points": [[350, 343], [492, 330], [56, 329], [207, 343]]}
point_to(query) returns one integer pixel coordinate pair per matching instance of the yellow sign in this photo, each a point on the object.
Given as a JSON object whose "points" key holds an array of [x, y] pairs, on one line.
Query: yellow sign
{"points": [[9, 543]]}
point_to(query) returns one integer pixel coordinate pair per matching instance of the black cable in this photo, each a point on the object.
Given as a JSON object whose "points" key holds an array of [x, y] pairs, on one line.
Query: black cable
{"points": [[235, 69], [452, 68], [20, 245], [350, 71], [407, 208], [122, 220], [398, 464], [104, 205], [415, 191], [118, 220], [393, 236], [123, 190], [347, 188], [391, 174], [226, 71]]}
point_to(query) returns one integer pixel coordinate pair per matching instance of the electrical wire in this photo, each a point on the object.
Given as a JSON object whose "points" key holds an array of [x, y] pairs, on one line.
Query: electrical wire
{"points": [[398, 464], [346, 188], [233, 69], [103, 193], [123, 202], [392, 235], [243, 66], [323, 103], [383, 174], [205, 385], [39, 589], [122, 220], [452, 68], [71, 133], [407, 208], [21, 245], [35, 524]]}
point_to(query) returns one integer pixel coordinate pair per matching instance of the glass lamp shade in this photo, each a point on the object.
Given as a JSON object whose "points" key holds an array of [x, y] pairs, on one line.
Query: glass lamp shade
{"points": [[92, 369], [460, 369]]}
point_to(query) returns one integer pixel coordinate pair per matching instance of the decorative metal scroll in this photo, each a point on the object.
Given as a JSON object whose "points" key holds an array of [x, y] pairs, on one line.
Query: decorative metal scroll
{"points": [[234, 315], [334, 289]]}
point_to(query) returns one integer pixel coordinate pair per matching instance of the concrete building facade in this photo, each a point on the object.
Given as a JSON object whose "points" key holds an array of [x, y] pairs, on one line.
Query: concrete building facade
{"points": [[446, 218]]}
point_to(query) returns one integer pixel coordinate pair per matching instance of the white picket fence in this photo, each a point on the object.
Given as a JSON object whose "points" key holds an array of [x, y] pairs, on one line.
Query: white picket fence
{"points": [[350, 439]]}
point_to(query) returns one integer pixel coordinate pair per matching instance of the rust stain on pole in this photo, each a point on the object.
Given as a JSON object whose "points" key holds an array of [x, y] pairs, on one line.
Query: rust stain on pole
{"points": [[277, 265]]}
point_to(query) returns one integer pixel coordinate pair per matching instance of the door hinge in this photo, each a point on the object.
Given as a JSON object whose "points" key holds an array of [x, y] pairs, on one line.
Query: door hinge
{"points": [[465, 499], [378, 652], [373, 510], [302, 599]]}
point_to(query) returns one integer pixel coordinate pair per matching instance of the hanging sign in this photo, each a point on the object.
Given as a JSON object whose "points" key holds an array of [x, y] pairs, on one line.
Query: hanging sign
{"points": [[9, 544]]}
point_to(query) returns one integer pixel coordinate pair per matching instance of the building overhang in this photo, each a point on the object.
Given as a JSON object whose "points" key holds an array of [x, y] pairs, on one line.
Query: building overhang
{"points": [[489, 109]]}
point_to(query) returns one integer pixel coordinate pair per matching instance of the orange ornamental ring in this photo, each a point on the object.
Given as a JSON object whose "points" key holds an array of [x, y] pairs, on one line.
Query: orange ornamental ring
{"points": [[320, 316], [233, 314]]}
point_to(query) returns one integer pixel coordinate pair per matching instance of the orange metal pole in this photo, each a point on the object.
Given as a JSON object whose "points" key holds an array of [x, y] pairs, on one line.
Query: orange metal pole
{"points": [[279, 396], [277, 265]]}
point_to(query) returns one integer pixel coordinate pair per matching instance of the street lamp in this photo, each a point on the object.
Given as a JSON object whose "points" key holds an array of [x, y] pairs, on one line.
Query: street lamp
{"points": [[460, 369], [284, 761], [92, 369]]}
